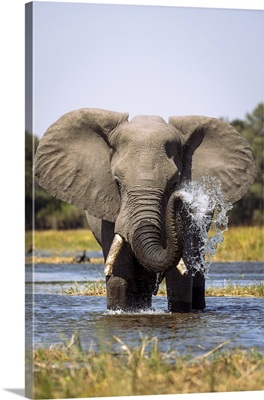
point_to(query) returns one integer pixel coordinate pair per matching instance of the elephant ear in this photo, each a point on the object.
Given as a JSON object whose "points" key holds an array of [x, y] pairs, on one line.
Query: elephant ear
{"points": [[214, 148], [72, 161]]}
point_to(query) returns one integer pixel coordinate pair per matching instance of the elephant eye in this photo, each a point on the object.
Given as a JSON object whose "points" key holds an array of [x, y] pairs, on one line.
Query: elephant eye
{"points": [[118, 184]]}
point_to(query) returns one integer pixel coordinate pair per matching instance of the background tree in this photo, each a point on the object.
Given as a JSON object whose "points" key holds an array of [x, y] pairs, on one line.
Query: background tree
{"points": [[249, 210], [49, 212]]}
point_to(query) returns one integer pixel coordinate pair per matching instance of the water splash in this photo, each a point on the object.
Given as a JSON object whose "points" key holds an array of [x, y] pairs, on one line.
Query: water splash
{"points": [[150, 311], [204, 204]]}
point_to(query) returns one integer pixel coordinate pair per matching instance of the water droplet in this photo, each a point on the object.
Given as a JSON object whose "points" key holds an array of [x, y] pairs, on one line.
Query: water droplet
{"points": [[204, 202]]}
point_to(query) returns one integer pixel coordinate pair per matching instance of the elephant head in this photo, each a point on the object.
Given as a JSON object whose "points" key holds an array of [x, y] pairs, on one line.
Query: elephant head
{"points": [[130, 173]]}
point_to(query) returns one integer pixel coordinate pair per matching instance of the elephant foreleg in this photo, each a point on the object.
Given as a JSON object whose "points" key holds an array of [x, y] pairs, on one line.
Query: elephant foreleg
{"points": [[145, 282], [193, 246], [179, 291], [120, 285], [198, 292], [119, 293], [129, 286]]}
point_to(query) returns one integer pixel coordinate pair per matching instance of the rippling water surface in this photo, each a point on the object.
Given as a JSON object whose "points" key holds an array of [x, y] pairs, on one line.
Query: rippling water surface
{"points": [[57, 316]]}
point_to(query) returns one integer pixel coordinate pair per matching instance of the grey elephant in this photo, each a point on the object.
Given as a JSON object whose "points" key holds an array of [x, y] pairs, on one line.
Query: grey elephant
{"points": [[127, 176]]}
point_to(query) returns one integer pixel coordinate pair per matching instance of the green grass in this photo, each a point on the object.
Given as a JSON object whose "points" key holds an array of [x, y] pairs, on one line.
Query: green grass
{"points": [[240, 243], [68, 371], [68, 240]]}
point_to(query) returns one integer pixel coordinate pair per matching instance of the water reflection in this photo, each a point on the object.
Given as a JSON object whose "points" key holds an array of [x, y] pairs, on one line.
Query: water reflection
{"points": [[239, 320]]}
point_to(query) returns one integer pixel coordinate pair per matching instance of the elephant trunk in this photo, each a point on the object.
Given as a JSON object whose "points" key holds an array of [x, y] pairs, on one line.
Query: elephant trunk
{"points": [[146, 229]]}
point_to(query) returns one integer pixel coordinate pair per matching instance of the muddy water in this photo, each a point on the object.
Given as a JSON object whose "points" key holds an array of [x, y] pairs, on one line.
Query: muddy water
{"points": [[57, 316]]}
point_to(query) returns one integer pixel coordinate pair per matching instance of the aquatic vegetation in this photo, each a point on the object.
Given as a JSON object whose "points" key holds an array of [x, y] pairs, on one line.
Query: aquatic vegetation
{"points": [[90, 288], [67, 371], [97, 288], [254, 290]]}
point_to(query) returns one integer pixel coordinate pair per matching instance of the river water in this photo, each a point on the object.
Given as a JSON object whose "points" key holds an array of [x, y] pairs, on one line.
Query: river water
{"points": [[56, 316]]}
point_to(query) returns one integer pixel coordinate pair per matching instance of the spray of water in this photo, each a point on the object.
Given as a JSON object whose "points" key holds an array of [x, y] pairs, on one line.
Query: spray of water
{"points": [[205, 207]]}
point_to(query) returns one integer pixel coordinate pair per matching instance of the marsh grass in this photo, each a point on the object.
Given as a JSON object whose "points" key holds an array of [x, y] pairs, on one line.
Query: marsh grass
{"points": [[67, 371], [230, 289], [92, 288], [240, 243]]}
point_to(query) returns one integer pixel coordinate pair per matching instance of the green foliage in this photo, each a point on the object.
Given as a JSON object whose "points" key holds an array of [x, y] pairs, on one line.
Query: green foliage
{"points": [[50, 213], [249, 210]]}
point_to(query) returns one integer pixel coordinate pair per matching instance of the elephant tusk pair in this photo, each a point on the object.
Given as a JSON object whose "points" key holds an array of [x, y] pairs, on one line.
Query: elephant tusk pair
{"points": [[113, 253], [115, 250]]}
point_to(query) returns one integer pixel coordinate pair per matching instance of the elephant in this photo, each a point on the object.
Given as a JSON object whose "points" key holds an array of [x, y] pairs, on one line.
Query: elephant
{"points": [[126, 176]]}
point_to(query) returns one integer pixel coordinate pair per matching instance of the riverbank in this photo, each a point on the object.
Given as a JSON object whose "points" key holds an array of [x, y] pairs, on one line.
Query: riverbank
{"points": [[67, 371], [240, 243]]}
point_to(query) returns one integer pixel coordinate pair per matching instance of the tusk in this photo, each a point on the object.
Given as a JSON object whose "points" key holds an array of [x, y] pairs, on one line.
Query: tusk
{"points": [[113, 253], [181, 267]]}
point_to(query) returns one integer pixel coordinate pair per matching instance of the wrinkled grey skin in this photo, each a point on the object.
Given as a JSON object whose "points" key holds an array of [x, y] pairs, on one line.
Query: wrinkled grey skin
{"points": [[126, 176]]}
